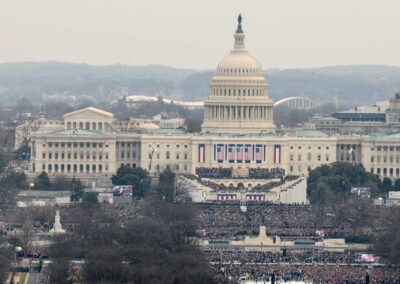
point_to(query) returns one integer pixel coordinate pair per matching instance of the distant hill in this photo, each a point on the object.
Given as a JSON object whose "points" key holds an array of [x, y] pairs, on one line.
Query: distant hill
{"points": [[352, 85]]}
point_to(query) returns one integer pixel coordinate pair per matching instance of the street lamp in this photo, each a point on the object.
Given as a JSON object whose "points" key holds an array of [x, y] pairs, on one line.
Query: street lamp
{"points": [[16, 251]]}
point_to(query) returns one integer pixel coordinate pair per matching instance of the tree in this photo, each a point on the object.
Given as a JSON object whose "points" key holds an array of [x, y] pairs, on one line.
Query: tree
{"points": [[3, 163], [168, 188], [9, 186], [331, 184], [396, 186], [76, 190], [90, 198], [387, 240], [43, 182], [137, 177], [155, 248], [61, 183], [23, 137], [387, 185], [193, 125], [5, 261]]}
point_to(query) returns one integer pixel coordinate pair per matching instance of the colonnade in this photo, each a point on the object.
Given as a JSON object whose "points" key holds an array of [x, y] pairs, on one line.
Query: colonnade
{"points": [[243, 113]]}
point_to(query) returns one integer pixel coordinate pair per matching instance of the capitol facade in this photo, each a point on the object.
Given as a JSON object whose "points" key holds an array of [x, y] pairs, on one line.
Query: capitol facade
{"points": [[238, 132]]}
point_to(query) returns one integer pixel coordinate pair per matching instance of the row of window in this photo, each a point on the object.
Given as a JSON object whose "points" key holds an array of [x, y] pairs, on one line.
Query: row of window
{"points": [[309, 147], [127, 144], [168, 155], [309, 157], [386, 148], [128, 155], [76, 144], [74, 156], [385, 159], [238, 92], [299, 168], [74, 168], [176, 146], [386, 171], [239, 71]]}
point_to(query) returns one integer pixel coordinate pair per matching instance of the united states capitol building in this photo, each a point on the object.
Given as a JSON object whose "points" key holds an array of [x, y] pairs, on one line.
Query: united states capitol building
{"points": [[238, 132]]}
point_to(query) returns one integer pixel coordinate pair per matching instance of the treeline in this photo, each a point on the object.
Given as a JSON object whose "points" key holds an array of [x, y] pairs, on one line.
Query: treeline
{"points": [[332, 184], [353, 85]]}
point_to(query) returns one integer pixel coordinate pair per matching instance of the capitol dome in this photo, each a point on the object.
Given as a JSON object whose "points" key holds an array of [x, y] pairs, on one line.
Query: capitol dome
{"points": [[238, 100], [239, 63]]}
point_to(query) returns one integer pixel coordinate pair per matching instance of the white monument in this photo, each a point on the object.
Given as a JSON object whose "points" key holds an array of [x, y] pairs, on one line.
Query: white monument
{"points": [[57, 228]]}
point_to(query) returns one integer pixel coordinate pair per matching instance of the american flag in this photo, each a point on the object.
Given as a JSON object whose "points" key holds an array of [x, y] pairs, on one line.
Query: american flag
{"points": [[277, 154], [231, 153], [220, 152], [258, 153], [239, 152], [202, 153], [247, 153]]}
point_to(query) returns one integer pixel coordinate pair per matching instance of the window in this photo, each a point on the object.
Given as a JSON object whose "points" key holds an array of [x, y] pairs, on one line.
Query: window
{"points": [[299, 157], [291, 157], [327, 158], [185, 156], [309, 156], [167, 154], [319, 157], [44, 155], [372, 159]]}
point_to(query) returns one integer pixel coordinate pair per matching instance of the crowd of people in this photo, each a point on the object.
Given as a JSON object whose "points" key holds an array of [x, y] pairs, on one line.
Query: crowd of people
{"points": [[316, 273], [293, 257], [228, 173], [227, 220], [259, 187], [204, 172], [258, 173]]}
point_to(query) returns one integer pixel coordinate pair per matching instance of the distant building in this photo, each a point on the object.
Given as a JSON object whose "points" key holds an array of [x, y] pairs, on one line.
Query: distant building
{"points": [[384, 117]]}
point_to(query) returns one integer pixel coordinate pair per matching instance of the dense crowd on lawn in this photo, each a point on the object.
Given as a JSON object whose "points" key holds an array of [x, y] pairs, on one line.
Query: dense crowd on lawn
{"points": [[318, 273], [228, 173], [303, 257], [227, 220]]}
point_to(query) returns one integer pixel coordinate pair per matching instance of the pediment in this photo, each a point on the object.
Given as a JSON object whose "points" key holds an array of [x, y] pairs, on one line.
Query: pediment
{"points": [[89, 113]]}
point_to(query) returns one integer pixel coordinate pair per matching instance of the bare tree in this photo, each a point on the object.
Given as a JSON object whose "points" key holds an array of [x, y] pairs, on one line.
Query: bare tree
{"points": [[23, 137]]}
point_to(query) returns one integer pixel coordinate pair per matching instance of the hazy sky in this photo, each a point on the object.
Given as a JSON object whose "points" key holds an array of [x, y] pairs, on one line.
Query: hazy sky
{"points": [[197, 34]]}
